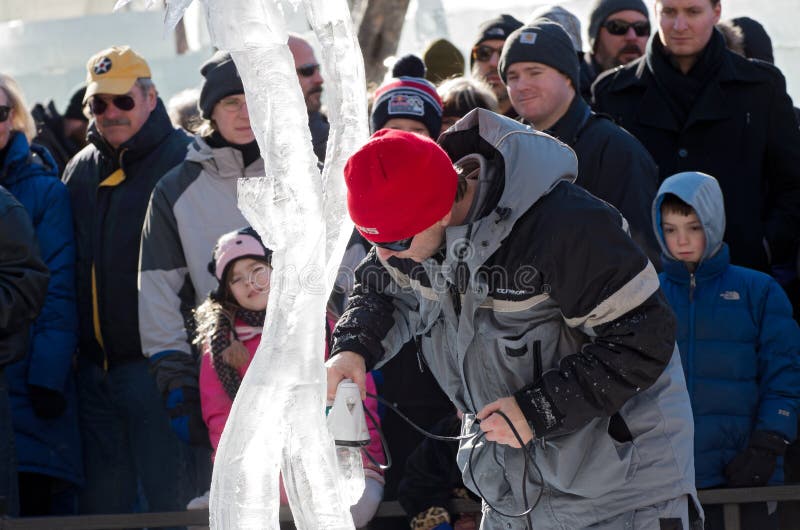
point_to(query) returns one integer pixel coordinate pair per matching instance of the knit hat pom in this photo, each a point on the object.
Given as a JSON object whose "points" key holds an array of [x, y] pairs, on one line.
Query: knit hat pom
{"points": [[409, 66]]}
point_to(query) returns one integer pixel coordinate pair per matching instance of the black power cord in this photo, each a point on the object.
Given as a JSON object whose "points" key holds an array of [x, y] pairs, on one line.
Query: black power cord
{"points": [[477, 437]]}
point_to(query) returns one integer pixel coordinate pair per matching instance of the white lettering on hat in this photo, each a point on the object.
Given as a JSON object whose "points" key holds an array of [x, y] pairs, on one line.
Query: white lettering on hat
{"points": [[367, 230], [500, 32], [102, 66], [528, 37], [406, 104]]}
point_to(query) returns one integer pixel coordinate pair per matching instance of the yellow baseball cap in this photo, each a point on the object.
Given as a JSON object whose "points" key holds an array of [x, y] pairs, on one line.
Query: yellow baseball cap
{"points": [[114, 71]]}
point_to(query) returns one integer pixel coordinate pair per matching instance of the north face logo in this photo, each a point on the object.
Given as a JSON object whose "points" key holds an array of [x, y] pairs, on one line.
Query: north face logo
{"points": [[730, 295], [102, 66]]}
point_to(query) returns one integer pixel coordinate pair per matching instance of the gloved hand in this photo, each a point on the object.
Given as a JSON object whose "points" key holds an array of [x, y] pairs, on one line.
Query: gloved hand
{"points": [[47, 403], [755, 465], [364, 510], [177, 375]]}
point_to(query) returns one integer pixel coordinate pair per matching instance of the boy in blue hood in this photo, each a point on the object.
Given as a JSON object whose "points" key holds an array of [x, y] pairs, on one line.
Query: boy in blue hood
{"points": [[738, 342]]}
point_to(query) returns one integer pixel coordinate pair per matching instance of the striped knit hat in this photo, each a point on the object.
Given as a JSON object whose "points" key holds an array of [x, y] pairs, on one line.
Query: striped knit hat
{"points": [[408, 95]]}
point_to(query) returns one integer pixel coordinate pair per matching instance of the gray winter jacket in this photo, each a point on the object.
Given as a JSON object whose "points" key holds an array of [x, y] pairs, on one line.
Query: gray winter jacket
{"points": [[541, 295]]}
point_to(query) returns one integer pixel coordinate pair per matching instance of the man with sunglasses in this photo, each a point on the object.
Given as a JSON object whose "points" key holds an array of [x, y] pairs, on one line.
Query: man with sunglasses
{"points": [[537, 315], [128, 443], [485, 55], [540, 69], [697, 106], [311, 81], [618, 33]]}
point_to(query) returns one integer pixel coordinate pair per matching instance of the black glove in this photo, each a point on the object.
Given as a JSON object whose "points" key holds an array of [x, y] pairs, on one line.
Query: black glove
{"points": [[177, 377], [755, 465], [47, 403]]}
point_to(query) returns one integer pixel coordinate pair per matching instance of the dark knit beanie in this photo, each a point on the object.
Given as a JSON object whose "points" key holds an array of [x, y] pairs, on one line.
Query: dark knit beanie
{"points": [[496, 28], [543, 41], [398, 184], [408, 95], [442, 61], [602, 9], [757, 44], [75, 106], [222, 80]]}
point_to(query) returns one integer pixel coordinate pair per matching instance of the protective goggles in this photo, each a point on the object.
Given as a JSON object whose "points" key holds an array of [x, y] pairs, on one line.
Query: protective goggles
{"points": [[396, 246], [5, 111], [483, 53], [307, 70], [99, 106], [621, 27]]}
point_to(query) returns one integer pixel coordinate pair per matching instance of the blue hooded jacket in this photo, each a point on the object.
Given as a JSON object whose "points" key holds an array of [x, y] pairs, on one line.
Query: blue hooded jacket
{"points": [[738, 342], [47, 446]]}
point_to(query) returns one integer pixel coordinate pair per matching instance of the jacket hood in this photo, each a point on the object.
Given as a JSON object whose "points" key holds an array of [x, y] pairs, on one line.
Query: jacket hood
{"points": [[701, 192], [35, 159], [225, 162]]}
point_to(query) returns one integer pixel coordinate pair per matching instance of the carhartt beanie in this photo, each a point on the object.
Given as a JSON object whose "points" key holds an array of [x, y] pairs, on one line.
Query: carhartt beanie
{"points": [[543, 41], [496, 28], [398, 184], [442, 61], [222, 80], [408, 95], [602, 9], [74, 109], [757, 44]]}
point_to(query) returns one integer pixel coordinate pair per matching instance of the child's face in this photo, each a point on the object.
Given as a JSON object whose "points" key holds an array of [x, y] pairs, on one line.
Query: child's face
{"points": [[684, 235], [248, 281]]}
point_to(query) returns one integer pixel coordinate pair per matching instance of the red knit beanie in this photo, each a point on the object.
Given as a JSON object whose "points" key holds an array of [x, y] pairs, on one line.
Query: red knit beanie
{"points": [[398, 184]]}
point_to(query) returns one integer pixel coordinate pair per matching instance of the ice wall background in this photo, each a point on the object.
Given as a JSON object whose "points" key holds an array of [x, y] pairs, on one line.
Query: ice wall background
{"points": [[45, 43]]}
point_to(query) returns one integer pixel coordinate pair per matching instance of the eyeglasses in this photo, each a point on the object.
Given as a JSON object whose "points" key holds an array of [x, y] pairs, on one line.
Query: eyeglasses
{"points": [[307, 70], [233, 104], [99, 106], [5, 112], [621, 27], [483, 53], [396, 246]]}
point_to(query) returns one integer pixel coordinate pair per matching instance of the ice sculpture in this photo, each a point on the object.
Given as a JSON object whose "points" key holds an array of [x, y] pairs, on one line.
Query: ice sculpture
{"points": [[277, 421]]}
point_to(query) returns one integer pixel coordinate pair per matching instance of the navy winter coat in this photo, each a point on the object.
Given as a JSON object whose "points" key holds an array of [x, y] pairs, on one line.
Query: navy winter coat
{"points": [[47, 446], [739, 344]]}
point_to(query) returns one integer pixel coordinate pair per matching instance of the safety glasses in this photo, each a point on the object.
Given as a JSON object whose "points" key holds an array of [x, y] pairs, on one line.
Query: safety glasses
{"points": [[483, 53], [621, 27], [99, 106], [307, 70], [5, 112], [396, 246]]}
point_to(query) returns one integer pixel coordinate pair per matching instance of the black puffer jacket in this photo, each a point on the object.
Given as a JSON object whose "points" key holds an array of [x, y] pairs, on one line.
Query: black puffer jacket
{"points": [[23, 279], [109, 210]]}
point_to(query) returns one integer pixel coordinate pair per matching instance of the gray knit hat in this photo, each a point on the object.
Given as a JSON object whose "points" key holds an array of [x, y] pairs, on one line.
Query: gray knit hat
{"points": [[560, 15], [542, 41], [602, 9], [496, 28]]}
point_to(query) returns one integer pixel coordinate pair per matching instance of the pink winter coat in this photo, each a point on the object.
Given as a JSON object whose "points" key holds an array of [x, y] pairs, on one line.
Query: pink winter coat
{"points": [[216, 406]]}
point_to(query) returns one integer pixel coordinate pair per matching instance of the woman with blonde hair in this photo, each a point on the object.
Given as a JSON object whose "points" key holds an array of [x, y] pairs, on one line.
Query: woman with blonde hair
{"points": [[41, 385]]}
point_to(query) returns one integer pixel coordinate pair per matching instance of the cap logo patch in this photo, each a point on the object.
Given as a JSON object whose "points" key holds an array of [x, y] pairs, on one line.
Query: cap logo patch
{"points": [[528, 37], [367, 230], [499, 32], [406, 104], [102, 66]]}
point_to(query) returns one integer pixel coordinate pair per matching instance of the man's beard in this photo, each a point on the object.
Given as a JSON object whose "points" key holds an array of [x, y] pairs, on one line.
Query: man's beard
{"points": [[313, 104]]}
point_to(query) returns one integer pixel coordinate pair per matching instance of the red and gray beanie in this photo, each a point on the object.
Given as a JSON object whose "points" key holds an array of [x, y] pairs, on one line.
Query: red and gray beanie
{"points": [[408, 95], [398, 184], [242, 243]]}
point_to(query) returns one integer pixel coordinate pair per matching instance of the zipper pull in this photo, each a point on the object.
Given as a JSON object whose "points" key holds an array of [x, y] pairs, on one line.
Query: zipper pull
{"points": [[692, 285]]}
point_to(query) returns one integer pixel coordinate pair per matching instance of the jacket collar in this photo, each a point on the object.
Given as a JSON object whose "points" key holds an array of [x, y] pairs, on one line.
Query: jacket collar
{"points": [[18, 153], [223, 162], [568, 128], [153, 133], [676, 270]]}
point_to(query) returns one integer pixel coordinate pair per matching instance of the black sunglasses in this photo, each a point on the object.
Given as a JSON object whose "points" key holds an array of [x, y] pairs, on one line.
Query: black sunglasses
{"points": [[5, 111], [396, 246], [483, 53], [307, 70], [621, 27], [99, 106]]}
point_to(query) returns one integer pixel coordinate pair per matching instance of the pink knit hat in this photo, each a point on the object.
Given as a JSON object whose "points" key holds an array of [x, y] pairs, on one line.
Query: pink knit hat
{"points": [[242, 243]]}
